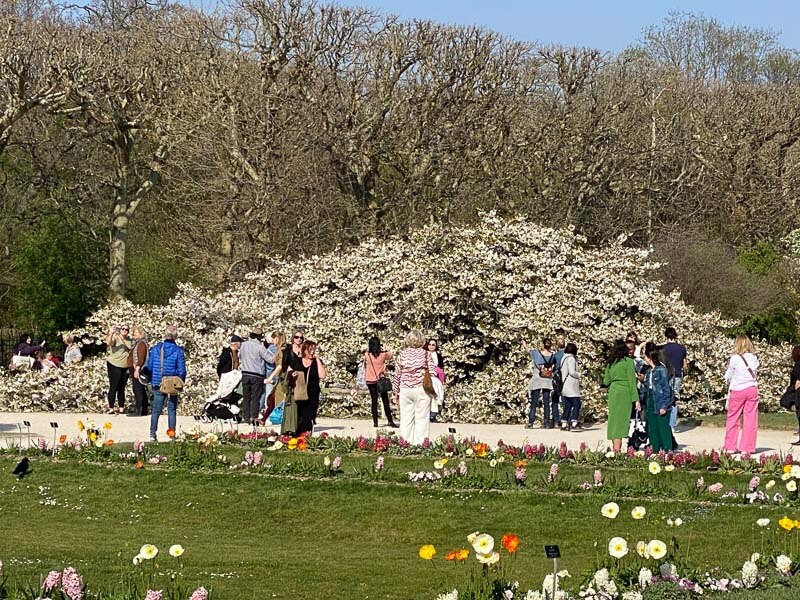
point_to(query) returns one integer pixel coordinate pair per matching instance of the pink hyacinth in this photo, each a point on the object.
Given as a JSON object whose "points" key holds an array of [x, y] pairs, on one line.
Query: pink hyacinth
{"points": [[379, 464], [551, 476], [52, 581], [462, 469], [199, 594], [248, 458], [153, 595], [586, 486], [700, 483], [41, 443], [598, 477], [520, 474], [715, 487], [258, 457], [754, 482], [72, 584], [337, 462], [138, 447], [583, 447]]}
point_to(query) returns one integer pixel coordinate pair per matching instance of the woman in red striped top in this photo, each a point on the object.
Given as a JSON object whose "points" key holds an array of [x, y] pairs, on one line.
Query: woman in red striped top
{"points": [[415, 403]]}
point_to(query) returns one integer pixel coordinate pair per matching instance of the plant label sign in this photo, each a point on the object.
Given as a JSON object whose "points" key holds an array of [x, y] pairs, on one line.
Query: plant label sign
{"points": [[552, 551]]}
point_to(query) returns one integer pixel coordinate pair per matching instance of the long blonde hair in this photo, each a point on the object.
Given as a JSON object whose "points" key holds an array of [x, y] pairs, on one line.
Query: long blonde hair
{"points": [[278, 338], [742, 345]]}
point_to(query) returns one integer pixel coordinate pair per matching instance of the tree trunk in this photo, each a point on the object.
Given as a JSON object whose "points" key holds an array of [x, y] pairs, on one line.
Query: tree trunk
{"points": [[117, 259]]}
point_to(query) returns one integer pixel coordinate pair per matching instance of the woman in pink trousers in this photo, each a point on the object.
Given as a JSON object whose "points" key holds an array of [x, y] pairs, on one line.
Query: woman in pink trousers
{"points": [[743, 397]]}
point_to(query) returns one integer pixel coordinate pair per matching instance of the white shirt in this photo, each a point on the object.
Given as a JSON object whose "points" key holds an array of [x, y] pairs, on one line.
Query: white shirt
{"points": [[738, 375]]}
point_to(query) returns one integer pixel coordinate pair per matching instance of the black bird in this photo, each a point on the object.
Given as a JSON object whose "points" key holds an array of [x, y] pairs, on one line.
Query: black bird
{"points": [[23, 468]]}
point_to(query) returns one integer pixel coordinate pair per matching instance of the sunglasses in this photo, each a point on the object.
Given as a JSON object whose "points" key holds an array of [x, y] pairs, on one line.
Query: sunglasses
{"points": [[298, 337]]}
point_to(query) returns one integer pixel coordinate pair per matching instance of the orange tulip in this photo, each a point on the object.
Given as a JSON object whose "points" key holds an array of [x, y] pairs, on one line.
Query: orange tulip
{"points": [[62, 439], [520, 464], [510, 542], [452, 555], [171, 433], [302, 444], [463, 554], [138, 465], [109, 442]]}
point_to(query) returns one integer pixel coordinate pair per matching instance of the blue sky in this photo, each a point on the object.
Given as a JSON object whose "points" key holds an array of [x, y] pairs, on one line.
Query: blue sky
{"points": [[611, 25]]}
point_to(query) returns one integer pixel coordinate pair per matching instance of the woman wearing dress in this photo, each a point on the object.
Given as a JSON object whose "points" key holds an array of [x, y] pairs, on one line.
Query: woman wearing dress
{"points": [[415, 402], [375, 359], [620, 378], [742, 378]]}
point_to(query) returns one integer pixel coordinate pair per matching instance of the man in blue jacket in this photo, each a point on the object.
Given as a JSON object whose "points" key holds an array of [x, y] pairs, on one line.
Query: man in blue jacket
{"points": [[166, 359]]}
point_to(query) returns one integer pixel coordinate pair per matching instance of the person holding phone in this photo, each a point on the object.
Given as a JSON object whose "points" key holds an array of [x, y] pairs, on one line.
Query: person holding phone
{"points": [[118, 347]]}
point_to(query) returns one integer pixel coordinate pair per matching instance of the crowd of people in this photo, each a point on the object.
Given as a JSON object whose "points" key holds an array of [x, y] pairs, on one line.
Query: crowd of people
{"points": [[643, 381]]}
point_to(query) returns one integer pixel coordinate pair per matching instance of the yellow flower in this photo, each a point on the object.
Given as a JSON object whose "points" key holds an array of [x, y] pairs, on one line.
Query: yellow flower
{"points": [[427, 552], [787, 468], [786, 523], [92, 436], [654, 468], [107, 425], [81, 426], [175, 550], [148, 552], [292, 445]]}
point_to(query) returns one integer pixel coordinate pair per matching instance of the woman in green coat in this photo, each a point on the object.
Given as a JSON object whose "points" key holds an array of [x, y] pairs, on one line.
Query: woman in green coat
{"points": [[620, 378]]}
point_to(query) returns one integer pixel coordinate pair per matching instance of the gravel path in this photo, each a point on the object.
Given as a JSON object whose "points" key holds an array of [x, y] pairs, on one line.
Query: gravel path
{"points": [[129, 429]]}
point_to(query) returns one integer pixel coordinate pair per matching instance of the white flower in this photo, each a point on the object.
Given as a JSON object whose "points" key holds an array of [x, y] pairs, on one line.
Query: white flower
{"points": [[654, 468], [670, 522], [749, 574], [641, 549], [786, 476], [657, 549], [469, 452], [669, 468], [610, 510], [483, 543], [326, 461], [610, 454], [632, 595], [762, 522], [770, 484], [488, 558], [755, 556], [493, 463], [617, 547], [791, 486], [176, 550], [148, 552], [639, 454], [678, 522], [795, 471], [137, 559], [438, 464], [645, 577], [638, 512], [784, 564]]}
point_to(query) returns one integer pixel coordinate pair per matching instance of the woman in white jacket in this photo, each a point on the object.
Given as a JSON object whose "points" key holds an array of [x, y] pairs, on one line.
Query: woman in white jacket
{"points": [[571, 387], [742, 378]]}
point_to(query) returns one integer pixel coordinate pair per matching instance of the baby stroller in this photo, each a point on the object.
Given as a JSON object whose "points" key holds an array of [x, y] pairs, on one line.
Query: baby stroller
{"points": [[223, 405]]}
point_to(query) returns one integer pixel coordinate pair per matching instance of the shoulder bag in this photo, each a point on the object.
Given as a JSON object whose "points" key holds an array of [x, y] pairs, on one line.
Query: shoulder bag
{"points": [[301, 385], [427, 382], [171, 385], [383, 383]]}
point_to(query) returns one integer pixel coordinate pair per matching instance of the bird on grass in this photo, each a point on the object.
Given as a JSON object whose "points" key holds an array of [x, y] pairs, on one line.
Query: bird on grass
{"points": [[22, 468]]}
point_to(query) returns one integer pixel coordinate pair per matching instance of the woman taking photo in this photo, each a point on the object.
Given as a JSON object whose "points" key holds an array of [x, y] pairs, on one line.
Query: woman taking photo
{"points": [[659, 402], [375, 359], [409, 376], [741, 376], [620, 378], [119, 346]]}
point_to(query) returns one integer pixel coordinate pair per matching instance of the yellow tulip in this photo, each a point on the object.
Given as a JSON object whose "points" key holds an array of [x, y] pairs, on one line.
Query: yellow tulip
{"points": [[786, 523], [81, 426], [107, 425], [427, 552]]}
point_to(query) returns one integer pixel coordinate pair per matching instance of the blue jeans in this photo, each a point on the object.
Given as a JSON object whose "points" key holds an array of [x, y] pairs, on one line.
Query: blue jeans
{"points": [[549, 403], [677, 382], [158, 405], [262, 401], [572, 409]]}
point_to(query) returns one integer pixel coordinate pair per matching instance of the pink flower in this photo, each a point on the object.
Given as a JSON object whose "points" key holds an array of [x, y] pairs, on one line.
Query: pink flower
{"points": [[520, 474], [462, 468], [199, 594], [257, 458], [715, 488], [52, 581], [248, 458], [138, 447], [153, 595], [72, 584], [337, 462], [551, 476], [586, 486], [379, 464], [700, 483], [598, 477], [154, 460], [754, 482]]}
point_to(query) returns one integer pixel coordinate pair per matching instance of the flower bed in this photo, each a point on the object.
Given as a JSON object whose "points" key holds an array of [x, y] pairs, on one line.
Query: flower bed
{"points": [[480, 290]]}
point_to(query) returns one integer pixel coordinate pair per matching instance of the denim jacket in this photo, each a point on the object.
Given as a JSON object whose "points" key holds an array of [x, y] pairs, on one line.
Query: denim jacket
{"points": [[659, 389]]}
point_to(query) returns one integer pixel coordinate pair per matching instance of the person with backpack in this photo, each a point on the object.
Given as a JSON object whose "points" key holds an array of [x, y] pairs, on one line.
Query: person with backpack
{"points": [[541, 384], [166, 364], [676, 354], [566, 381]]}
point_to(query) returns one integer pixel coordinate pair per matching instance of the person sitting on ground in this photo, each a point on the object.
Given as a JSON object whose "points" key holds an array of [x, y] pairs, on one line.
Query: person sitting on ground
{"points": [[72, 352], [25, 347], [48, 361]]}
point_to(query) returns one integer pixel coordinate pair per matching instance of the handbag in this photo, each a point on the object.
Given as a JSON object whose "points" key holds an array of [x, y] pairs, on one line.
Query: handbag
{"points": [[384, 386], [361, 376], [171, 385], [427, 382], [790, 398], [300, 387]]}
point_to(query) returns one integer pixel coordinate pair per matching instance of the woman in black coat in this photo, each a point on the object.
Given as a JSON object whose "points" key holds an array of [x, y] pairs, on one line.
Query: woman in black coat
{"points": [[794, 382]]}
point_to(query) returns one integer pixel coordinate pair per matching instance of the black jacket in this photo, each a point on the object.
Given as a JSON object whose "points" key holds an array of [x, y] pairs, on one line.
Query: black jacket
{"points": [[225, 362]]}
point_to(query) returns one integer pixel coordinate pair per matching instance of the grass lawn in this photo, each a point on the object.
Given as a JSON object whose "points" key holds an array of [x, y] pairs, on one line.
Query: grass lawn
{"points": [[249, 536], [781, 421]]}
